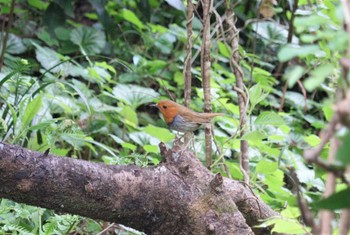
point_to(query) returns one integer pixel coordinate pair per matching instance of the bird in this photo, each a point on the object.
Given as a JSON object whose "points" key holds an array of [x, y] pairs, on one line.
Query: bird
{"points": [[182, 119]]}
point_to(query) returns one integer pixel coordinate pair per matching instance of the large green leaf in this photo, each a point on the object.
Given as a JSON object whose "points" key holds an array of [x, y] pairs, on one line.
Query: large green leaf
{"points": [[90, 40], [160, 133], [290, 51], [134, 95], [284, 225], [14, 44], [336, 201], [50, 59]]}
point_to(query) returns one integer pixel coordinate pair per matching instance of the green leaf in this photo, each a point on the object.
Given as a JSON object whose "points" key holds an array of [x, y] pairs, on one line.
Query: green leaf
{"points": [[291, 212], [269, 118], [312, 140], [289, 227], [266, 167], [318, 76], [290, 51], [50, 59], [310, 21], [129, 146], [236, 173], [132, 18], [254, 136], [328, 110], [256, 95], [32, 109], [343, 152], [134, 95], [177, 4], [130, 116], [41, 5], [47, 38], [151, 148], [62, 33], [336, 201], [162, 134], [293, 75], [90, 40], [14, 44], [224, 50]]}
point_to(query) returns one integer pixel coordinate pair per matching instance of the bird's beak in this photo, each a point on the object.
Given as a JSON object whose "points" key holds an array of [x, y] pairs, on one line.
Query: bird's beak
{"points": [[154, 105]]}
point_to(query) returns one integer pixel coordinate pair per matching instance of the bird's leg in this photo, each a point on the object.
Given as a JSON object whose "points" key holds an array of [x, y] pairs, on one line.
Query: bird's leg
{"points": [[190, 136], [177, 140]]}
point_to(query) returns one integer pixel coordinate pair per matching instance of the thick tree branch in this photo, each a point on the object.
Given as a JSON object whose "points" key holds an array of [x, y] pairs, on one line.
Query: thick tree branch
{"points": [[179, 195]]}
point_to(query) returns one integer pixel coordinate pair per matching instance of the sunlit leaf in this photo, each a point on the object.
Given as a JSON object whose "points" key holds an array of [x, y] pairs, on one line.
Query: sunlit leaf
{"points": [[130, 116], [289, 227], [129, 146], [151, 148], [132, 18], [266, 167], [224, 49], [162, 134], [254, 136], [290, 51], [235, 171], [312, 140], [269, 118]]}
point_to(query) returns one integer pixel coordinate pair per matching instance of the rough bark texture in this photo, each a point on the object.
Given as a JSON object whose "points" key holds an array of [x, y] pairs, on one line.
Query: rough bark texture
{"points": [[179, 196]]}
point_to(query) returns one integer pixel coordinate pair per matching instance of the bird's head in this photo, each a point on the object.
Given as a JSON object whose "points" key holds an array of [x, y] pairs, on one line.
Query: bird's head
{"points": [[169, 109]]}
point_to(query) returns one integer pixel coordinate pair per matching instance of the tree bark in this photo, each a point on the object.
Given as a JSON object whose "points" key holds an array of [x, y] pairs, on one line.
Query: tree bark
{"points": [[179, 196]]}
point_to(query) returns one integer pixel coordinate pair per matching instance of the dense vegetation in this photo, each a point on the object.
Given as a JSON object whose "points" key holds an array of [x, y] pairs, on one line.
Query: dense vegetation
{"points": [[78, 78]]}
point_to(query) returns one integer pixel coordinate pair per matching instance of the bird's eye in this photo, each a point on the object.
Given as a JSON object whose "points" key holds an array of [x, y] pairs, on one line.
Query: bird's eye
{"points": [[164, 107]]}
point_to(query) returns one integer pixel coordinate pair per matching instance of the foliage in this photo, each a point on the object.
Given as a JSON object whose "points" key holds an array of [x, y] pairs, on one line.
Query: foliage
{"points": [[81, 80]]}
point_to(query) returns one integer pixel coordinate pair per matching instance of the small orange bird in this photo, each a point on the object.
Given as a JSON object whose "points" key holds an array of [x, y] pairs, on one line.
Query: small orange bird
{"points": [[182, 119]]}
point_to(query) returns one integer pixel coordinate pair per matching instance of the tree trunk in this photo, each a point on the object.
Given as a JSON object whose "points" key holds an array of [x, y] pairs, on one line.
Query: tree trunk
{"points": [[179, 196]]}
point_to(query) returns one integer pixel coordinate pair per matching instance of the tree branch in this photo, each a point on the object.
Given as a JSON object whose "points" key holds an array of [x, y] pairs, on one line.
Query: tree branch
{"points": [[242, 97], [205, 65], [174, 196]]}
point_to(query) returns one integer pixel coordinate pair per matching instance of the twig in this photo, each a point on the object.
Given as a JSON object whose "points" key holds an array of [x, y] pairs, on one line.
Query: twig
{"points": [[106, 229], [304, 94], [2, 56], [242, 102], [205, 65], [306, 214], [188, 62], [281, 66]]}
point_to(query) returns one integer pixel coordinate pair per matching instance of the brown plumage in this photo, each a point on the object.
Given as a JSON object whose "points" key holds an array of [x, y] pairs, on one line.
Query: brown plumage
{"points": [[183, 119]]}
